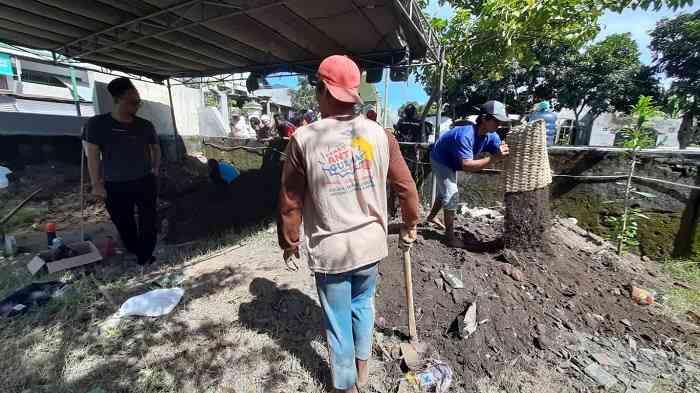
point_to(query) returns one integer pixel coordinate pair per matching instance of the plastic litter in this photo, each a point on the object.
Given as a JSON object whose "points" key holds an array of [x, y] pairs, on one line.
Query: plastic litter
{"points": [[451, 279], [4, 182], [436, 377], [642, 296], [152, 304], [23, 299], [10, 246]]}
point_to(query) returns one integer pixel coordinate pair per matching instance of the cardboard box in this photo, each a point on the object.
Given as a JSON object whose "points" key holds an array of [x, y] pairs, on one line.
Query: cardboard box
{"points": [[87, 251]]}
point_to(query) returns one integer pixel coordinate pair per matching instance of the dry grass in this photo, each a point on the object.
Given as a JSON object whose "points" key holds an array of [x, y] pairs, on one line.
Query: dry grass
{"points": [[206, 345]]}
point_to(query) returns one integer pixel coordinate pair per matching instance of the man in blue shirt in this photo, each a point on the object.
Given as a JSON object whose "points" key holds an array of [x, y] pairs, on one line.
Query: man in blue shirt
{"points": [[458, 150]]}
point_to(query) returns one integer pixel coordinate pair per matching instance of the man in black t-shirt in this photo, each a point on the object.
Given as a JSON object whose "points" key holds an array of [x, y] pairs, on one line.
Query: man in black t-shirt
{"points": [[123, 158]]}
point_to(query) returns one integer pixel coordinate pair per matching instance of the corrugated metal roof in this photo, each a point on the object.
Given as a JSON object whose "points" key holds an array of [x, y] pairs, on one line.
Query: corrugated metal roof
{"points": [[171, 38]]}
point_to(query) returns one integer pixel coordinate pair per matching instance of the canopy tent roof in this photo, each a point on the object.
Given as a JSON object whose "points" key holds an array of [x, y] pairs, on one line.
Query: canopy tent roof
{"points": [[188, 38]]}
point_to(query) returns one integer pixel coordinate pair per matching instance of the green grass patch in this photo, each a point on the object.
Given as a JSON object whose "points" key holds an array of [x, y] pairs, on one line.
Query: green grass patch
{"points": [[24, 218], [681, 300]]}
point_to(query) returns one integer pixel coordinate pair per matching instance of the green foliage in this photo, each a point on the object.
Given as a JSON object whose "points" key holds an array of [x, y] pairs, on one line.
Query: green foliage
{"points": [[304, 96], [682, 300], [484, 38], [676, 46], [211, 99], [640, 136], [625, 229], [606, 77]]}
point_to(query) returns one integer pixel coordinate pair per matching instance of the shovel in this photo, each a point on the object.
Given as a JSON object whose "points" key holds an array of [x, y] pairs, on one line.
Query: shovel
{"points": [[410, 351]]}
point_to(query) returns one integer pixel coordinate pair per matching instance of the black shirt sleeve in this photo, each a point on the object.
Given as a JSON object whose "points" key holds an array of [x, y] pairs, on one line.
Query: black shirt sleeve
{"points": [[91, 132], [150, 132]]}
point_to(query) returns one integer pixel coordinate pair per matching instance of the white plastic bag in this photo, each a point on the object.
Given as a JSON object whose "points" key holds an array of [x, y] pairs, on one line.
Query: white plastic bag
{"points": [[4, 182], [152, 304]]}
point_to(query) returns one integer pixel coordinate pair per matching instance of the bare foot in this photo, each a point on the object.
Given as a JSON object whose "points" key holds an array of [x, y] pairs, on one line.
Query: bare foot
{"points": [[437, 223], [362, 372]]}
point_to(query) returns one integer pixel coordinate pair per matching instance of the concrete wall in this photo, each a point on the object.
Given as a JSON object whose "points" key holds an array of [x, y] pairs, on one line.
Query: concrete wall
{"points": [[156, 104], [592, 201], [602, 129], [16, 123]]}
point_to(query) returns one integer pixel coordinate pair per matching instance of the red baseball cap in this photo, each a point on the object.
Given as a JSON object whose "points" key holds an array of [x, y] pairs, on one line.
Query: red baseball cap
{"points": [[342, 78]]}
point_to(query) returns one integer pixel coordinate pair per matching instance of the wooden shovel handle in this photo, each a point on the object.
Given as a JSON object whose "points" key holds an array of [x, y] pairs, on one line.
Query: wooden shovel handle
{"points": [[412, 332]]}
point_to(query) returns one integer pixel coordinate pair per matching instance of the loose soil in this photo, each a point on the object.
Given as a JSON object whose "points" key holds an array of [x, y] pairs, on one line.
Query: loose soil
{"points": [[527, 220], [579, 289]]}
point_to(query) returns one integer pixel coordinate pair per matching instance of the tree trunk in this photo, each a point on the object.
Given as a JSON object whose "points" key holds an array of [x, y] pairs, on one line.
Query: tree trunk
{"points": [[687, 242], [686, 132], [527, 221]]}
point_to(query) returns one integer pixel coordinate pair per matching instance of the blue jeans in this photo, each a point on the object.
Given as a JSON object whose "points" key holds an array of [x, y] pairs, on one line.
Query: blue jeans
{"points": [[348, 307]]}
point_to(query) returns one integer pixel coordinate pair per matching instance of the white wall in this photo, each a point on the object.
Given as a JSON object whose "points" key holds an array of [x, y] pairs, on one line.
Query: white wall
{"points": [[156, 104], [604, 128]]}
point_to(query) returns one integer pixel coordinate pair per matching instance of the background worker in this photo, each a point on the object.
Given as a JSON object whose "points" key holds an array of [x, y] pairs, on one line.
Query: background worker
{"points": [[335, 177], [123, 157], [458, 150], [284, 128]]}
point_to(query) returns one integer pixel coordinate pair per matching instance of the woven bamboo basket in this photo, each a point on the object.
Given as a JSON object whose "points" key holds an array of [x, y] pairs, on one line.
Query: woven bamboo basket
{"points": [[527, 166]]}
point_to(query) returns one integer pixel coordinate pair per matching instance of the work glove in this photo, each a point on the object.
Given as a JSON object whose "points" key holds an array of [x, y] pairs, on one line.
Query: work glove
{"points": [[407, 237]]}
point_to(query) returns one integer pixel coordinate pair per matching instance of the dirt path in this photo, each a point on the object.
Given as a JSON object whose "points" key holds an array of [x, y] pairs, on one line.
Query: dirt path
{"points": [[246, 324]]}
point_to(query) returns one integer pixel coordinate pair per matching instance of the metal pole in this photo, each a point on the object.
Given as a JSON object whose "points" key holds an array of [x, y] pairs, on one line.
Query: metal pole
{"points": [[74, 86], [172, 114], [386, 98], [438, 117]]}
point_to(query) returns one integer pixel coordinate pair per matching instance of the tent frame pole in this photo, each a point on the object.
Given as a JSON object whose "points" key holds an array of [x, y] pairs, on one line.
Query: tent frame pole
{"points": [[438, 116], [172, 115]]}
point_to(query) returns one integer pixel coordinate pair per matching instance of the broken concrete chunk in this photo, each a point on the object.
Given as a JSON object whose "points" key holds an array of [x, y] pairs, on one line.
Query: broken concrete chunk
{"points": [[451, 279], [600, 376]]}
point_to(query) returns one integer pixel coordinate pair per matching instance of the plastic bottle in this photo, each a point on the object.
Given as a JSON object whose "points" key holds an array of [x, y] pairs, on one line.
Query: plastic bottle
{"points": [[10, 246], [50, 233]]}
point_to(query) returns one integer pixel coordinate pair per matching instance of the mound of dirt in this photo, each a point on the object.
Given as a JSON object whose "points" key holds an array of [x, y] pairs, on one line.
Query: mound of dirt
{"points": [[564, 307]]}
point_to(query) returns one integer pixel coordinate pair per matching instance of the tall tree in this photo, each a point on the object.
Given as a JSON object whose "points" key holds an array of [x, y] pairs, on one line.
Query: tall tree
{"points": [[676, 46], [304, 96], [607, 77], [484, 37]]}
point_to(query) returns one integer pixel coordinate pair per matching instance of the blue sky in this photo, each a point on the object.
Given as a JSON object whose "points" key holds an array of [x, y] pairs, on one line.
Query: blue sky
{"points": [[638, 22]]}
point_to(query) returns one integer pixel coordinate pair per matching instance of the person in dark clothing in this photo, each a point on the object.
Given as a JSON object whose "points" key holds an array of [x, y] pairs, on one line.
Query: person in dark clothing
{"points": [[284, 128], [123, 158], [408, 129]]}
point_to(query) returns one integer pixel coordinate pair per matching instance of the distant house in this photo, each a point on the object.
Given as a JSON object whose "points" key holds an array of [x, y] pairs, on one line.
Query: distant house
{"points": [[601, 131], [36, 98], [275, 99]]}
